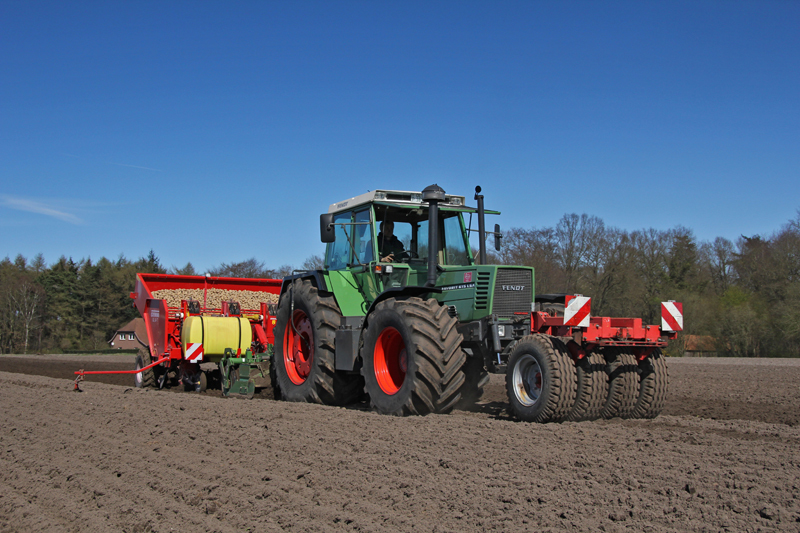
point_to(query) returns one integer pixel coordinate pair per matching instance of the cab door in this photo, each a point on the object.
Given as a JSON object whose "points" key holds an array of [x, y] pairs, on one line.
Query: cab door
{"points": [[364, 255]]}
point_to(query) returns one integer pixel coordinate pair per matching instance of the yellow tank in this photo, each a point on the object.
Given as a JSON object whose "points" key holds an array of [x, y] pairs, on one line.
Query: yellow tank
{"points": [[216, 333]]}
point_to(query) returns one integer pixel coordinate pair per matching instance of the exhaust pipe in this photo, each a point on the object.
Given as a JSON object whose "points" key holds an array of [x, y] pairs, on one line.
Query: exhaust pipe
{"points": [[481, 225], [433, 194]]}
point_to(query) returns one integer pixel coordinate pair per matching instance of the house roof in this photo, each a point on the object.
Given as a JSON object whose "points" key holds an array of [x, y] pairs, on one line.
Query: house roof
{"points": [[135, 326]]}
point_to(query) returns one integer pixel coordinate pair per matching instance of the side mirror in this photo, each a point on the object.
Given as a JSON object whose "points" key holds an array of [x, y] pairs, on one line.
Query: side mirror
{"points": [[327, 231], [497, 237]]}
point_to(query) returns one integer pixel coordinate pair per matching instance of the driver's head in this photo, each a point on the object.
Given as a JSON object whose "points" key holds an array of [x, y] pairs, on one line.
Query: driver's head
{"points": [[387, 228]]}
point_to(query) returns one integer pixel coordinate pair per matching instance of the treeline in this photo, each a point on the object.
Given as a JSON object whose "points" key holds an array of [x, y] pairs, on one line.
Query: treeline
{"points": [[744, 294], [79, 305]]}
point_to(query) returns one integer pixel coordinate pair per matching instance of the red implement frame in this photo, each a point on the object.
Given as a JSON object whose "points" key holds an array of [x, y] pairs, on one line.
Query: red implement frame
{"points": [[604, 331]]}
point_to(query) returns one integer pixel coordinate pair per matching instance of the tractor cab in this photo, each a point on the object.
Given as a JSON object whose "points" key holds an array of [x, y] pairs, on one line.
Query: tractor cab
{"points": [[382, 241]]}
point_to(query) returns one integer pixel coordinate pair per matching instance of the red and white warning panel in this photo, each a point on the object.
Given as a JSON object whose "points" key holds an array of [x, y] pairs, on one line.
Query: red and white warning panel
{"points": [[671, 316], [194, 352], [577, 311]]}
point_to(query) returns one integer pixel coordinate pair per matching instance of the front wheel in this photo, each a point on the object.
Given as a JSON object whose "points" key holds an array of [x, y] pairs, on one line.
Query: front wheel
{"points": [[540, 380], [412, 358]]}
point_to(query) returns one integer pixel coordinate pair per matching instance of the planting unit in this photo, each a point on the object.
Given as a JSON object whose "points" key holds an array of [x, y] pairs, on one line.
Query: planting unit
{"points": [[203, 329]]}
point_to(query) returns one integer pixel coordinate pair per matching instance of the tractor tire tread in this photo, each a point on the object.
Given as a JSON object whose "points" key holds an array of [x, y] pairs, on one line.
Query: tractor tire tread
{"points": [[437, 352], [330, 387], [653, 386], [475, 380], [148, 376], [623, 382], [592, 388], [558, 371]]}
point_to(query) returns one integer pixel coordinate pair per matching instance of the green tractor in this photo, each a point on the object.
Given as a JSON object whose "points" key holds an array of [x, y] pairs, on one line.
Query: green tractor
{"points": [[403, 313]]}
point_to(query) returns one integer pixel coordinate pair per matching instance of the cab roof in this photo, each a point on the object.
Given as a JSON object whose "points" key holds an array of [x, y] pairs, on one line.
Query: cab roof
{"points": [[400, 199]]}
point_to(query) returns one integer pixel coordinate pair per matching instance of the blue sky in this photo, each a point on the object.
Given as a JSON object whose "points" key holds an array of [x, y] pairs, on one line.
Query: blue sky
{"points": [[218, 131]]}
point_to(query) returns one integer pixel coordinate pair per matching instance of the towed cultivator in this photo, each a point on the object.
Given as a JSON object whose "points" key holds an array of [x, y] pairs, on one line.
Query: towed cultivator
{"points": [[403, 314]]}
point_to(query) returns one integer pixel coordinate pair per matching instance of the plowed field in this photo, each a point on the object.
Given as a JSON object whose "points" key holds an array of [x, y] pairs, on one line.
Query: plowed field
{"points": [[724, 456]]}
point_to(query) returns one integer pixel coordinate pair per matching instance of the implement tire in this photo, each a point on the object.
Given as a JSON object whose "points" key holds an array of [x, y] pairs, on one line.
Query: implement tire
{"points": [[653, 385], [592, 388], [303, 363], [146, 379], [540, 380], [623, 384], [412, 358]]}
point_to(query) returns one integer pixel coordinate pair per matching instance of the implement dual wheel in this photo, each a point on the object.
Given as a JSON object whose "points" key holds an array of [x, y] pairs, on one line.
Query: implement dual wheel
{"points": [[653, 385], [592, 388], [540, 380], [623, 383], [303, 365], [636, 389], [412, 358], [147, 378]]}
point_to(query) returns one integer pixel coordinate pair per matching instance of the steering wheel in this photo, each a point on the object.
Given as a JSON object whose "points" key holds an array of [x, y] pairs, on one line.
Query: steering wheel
{"points": [[408, 255]]}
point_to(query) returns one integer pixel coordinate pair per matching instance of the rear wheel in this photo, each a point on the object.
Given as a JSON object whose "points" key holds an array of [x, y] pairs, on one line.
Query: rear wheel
{"points": [[623, 381], [303, 364], [412, 358], [147, 377], [592, 382], [476, 378], [540, 380], [653, 385]]}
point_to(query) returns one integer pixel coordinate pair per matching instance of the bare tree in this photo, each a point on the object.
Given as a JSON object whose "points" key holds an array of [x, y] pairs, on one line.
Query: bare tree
{"points": [[606, 271], [651, 246], [314, 262], [575, 237], [718, 258], [24, 301], [249, 268], [537, 248]]}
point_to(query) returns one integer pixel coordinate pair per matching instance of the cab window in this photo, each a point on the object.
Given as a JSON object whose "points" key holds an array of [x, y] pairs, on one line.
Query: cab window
{"points": [[362, 237], [338, 254], [453, 234]]}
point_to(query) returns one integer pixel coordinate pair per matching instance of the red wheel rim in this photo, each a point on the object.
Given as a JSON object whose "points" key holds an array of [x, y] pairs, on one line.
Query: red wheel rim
{"points": [[298, 348], [391, 361]]}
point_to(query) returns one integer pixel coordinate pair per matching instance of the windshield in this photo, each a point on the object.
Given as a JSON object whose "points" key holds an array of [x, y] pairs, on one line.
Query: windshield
{"points": [[453, 234], [403, 233]]}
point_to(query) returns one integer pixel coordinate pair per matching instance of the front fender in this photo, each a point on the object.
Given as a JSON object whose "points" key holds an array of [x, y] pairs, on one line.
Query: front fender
{"points": [[316, 276], [402, 292]]}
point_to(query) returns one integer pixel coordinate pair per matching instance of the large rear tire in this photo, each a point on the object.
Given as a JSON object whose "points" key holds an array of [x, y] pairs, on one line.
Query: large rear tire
{"points": [[623, 381], [653, 385], [412, 358], [476, 378], [540, 380], [146, 378], [303, 363], [592, 383]]}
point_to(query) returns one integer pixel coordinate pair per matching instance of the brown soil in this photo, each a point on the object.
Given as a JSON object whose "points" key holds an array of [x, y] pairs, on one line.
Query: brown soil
{"points": [[723, 457]]}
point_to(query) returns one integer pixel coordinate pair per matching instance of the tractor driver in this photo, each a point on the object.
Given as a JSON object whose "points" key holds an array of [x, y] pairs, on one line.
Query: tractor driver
{"points": [[389, 245]]}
